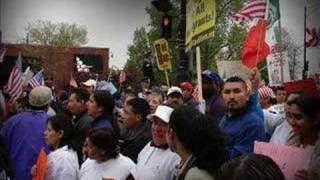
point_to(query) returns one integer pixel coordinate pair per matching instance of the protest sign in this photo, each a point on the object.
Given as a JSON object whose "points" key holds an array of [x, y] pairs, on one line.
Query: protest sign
{"points": [[306, 85], [200, 22], [290, 159], [274, 68], [228, 69], [162, 54]]}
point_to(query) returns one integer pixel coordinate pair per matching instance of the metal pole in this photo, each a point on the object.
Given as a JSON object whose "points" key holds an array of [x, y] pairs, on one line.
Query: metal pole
{"points": [[305, 63], [183, 69], [281, 54]]}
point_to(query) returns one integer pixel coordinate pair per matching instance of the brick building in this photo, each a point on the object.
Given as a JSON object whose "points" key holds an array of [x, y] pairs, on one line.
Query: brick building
{"points": [[60, 63]]}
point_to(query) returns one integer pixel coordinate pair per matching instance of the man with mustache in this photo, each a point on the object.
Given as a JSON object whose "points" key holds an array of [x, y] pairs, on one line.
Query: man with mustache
{"points": [[241, 125]]}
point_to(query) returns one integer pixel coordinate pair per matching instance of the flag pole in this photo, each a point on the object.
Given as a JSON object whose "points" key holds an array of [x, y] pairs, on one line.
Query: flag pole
{"points": [[70, 88], [167, 77], [259, 45], [280, 49], [199, 78], [305, 63], [260, 33]]}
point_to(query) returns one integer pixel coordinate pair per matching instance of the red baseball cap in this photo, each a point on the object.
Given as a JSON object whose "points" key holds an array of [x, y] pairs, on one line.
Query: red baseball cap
{"points": [[186, 86]]}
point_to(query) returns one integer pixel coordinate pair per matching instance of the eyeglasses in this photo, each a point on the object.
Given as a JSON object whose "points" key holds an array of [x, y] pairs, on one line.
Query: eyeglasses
{"points": [[296, 116]]}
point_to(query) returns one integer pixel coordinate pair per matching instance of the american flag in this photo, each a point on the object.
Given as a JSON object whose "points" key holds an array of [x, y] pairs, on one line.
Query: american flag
{"points": [[73, 82], [14, 84], [37, 80], [254, 9], [315, 37], [2, 53], [265, 92], [195, 93]]}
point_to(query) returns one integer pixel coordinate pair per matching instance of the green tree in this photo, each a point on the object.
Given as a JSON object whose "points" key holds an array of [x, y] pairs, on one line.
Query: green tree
{"points": [[229, 37], [137, 52], [226, 45], [47, 40], [293, 51], [48, 33]]}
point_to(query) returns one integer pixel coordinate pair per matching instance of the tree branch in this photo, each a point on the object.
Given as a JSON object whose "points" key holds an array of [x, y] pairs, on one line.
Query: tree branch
{"points": [[219, 12]]}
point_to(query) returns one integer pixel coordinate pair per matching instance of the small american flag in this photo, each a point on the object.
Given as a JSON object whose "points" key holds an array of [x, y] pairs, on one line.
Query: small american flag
{"points": [[73, 82], [37, 80], [254, 9], [195, 93], [2, 53], [14, 84]]}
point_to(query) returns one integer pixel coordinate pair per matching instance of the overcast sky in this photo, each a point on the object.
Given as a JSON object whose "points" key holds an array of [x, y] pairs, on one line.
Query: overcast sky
{"points": [[111, 23]]}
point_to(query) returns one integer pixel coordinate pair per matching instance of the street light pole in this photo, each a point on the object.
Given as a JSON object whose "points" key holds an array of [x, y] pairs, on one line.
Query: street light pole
{"points": [[305, 62], [183, 73]]}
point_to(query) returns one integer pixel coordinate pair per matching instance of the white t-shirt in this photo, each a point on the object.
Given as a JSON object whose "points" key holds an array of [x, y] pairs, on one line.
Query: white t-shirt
{"points": [[272, 121], [155, 164], [282, 133], [117, 169], [277, 108], [62, 164]]}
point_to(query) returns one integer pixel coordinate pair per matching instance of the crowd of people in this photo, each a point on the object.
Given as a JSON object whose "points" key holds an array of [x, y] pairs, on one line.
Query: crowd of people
{"points": [[158, 132]]}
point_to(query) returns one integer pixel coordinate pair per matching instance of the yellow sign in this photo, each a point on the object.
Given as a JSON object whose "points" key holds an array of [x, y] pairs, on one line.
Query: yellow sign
{"points": [[162, 52], [201, 16]]}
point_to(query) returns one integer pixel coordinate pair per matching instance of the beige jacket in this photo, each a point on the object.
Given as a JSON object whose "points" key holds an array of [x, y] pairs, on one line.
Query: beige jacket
{"points": [[198, 174]]}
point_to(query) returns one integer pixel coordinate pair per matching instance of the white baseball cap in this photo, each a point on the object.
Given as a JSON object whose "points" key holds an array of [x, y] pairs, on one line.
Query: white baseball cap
{"points": [[90, 82], [174, 89], [163, 112]]}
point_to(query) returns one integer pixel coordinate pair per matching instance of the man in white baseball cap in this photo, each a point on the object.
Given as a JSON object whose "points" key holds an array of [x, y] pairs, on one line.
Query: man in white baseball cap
{"points": [[156, 161], [90, 85], [175, 96]]}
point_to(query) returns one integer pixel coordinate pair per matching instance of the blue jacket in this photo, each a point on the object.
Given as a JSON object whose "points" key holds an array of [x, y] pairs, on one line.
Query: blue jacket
{"points": [[241, 132], [102, 122], [254, 104], [23, 134]]}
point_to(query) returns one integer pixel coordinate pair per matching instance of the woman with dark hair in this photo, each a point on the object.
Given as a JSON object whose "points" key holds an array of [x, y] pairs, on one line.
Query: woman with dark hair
{"points": [[199, 142], [279, 127], [250, 167], [135, 119], [105, 161], [63, 160], [100, 108], [302, 117]]}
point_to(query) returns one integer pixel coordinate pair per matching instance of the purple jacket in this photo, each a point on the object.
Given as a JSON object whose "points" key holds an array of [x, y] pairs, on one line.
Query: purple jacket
{"points": [[215, 106], [23, 134]]}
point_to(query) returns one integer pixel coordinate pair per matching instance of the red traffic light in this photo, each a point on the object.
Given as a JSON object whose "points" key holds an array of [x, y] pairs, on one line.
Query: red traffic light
{"points": [[166, 26], [166, 20]]}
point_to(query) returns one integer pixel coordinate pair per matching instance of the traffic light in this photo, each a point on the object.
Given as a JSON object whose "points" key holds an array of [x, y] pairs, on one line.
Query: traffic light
{"points": [[162, 5], [166, 26]]}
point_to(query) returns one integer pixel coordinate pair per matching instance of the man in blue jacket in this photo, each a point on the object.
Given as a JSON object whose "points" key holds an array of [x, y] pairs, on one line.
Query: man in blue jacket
{"points": [[241, 124], [23, 133]]}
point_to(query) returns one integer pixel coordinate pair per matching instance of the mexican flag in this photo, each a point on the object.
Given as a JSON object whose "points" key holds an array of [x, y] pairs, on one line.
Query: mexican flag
{"points": [[277, 74], [273, 34]]}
